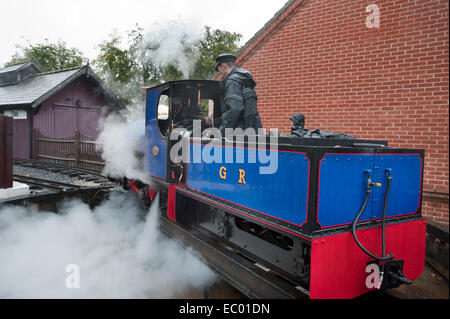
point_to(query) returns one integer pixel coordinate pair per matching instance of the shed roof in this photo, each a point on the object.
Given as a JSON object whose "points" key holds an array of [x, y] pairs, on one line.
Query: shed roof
{"points": [[35, 89], [18, 66]]}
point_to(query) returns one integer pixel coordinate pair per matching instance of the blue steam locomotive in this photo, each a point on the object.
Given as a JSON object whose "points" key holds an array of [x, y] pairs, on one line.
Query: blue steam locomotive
{"points": [[339, 217]]}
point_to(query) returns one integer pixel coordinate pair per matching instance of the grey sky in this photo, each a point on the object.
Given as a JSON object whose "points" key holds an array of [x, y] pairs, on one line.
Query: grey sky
{"points": [[85, 23]]}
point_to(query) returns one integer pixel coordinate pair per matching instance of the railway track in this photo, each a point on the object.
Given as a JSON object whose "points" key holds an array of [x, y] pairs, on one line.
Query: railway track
{"points": [[254, 279], [45, 183], [72, 173], [49, 182]]}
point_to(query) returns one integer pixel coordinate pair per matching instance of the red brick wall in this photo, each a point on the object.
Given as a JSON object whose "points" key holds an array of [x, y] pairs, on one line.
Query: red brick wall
{"points": [[388, 83]]}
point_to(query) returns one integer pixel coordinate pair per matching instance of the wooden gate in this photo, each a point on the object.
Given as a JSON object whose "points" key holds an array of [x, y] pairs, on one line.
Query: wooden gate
{"points": [[78, 150]]}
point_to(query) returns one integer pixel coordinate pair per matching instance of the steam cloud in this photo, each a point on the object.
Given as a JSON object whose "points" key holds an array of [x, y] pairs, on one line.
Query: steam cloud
{"points": [[175, 44], [119, 254], [119, 138]]}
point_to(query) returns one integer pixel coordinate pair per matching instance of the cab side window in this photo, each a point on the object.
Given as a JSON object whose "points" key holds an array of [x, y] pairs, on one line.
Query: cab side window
{"points": [[207, 107], [163, 113]]}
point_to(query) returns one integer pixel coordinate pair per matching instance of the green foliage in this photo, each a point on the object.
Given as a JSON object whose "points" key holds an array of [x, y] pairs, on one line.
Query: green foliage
{"points": [[114, 61], [204, 107], [49, 56], [118, 67], [126, 66], [214, 42], [171, 73], [146, 70]]}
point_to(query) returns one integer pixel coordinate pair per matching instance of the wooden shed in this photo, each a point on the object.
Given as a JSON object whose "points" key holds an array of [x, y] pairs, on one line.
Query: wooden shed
{"points": [[52, 106]]}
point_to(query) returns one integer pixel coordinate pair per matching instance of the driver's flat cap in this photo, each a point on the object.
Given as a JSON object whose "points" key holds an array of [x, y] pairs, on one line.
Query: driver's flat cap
{"points": [[224, 57]]}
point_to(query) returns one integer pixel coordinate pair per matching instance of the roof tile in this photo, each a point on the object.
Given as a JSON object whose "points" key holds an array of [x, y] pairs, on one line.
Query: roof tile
{"points": [[32, 88]]}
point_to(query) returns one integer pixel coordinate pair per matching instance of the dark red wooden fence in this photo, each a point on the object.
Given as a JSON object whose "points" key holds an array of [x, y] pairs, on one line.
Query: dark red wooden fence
{"points": [[78, 150], [6, 162]]}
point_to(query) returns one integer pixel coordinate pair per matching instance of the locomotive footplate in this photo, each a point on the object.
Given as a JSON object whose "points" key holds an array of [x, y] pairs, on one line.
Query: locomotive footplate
{"points": [[248, 214], [254, 279]]}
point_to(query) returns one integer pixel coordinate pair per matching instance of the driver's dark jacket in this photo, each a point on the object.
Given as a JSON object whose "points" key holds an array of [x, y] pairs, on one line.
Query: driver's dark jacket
{"points": [[239, 102]]}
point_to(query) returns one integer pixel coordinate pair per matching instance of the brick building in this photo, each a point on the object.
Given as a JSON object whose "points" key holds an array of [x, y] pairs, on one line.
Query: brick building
{"points": [[321, 58]]}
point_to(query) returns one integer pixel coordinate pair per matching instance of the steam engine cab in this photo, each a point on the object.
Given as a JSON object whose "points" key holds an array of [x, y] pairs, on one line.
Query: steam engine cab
{"points": [[339, 217]]}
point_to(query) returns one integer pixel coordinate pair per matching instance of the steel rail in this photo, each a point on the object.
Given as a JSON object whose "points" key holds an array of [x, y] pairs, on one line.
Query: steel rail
{"points": [[45, 182], [251, 278], [43, 165]]}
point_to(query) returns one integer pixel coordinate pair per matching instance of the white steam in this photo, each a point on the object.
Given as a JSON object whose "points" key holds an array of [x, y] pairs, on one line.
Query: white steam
{"points": [[119, 255], [119, 139], [175, 44]]}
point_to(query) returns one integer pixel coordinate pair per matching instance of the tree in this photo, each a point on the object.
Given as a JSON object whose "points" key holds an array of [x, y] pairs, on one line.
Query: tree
{"points": [[147, 69], [113, 61], [125, 67], [214, 42], [171, 73], [49, 56], [174, 53], [120, 66]]}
